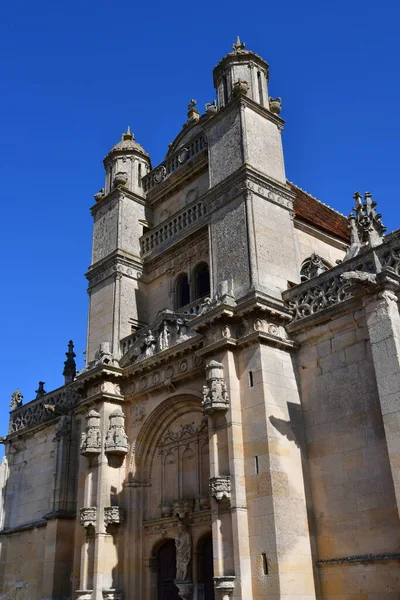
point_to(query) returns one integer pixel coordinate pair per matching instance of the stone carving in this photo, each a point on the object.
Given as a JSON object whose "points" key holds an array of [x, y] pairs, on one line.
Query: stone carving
{"points": [[36, 412], [181, 509], [164, 336], [116, 438], [90, 438], [366, 227], [359, 277], [215, 395], [113, 515], [220, 487], [100, 195], [69, 372], [40, 391], [185, 590], [314, 267], [318, 297], [149, 344], [83, 594], [212, 109], [87, 516], [240, 87], [275, 105], [112, 594], [183, 544], [185, 431], [139, 412], [16, 399], [166, 510], [239, 46], [225, 585], [193, 113], [160, 174], [120, 178]]}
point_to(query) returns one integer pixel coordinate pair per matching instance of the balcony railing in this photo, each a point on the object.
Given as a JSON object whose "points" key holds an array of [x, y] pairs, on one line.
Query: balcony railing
{"points": [[174, 162], [182, 220]]}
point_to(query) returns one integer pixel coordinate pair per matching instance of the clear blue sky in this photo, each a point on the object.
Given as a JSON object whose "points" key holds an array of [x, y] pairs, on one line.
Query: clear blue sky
{"points": [[75, 74]]}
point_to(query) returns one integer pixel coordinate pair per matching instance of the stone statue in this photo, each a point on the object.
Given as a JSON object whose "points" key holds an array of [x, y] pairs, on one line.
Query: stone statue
{"points": [[150, 344], [183, 544], [16, 399], [165, 336]]}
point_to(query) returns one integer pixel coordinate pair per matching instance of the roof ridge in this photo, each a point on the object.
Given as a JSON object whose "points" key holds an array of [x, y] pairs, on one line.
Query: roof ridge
{"points": [[317, 199]]}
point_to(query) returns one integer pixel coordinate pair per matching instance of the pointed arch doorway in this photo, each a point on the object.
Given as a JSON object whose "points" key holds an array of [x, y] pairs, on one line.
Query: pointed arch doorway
{"points": [[166, 572]]}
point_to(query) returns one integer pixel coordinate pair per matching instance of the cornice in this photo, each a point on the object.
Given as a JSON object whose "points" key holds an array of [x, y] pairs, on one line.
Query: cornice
{"points": [[118, 262], [118, 194], [244, 101]]}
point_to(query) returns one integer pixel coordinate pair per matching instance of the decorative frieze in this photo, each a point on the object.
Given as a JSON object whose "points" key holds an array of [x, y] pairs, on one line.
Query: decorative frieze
{"points": [[116, 438], [225, 585], [220, 487], [87, 516], [91, 439], [113, 515], [215, 394]]}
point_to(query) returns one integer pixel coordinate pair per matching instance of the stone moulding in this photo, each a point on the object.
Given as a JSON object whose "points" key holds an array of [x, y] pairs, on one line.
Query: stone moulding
{"points": [[113, 515], [87, 516], [220, 487], [215, 395], [83, 594], [359, 558]]}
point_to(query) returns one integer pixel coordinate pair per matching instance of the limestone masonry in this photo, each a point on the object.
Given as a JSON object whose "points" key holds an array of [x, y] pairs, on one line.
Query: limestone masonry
{"points": [[235, 431]]}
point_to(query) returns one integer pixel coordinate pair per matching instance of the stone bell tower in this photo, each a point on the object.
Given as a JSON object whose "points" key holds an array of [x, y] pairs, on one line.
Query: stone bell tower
{"points": [[115, 299], [247, 168]]}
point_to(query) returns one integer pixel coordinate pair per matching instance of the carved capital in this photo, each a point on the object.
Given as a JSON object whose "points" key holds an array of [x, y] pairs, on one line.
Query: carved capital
{"points": [[215, 395], [83, 594], [225, 585], [113, 515], [87, 516], [185, 590], [112, 594], [220, 487]]}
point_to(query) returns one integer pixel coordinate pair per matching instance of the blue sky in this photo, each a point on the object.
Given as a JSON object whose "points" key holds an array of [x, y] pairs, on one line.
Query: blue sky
{"points": [[75, 74]]}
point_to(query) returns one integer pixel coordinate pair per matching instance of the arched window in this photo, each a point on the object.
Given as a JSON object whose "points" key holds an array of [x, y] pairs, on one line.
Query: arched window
{"points": [[201, 281], [182, 292]]}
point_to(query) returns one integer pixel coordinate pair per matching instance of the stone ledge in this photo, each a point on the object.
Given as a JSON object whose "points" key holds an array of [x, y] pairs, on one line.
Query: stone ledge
{"points": [[359, 558]]}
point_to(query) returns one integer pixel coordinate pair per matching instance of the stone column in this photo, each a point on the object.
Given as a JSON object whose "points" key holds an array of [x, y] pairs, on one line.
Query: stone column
{"points": [[383, 322]]}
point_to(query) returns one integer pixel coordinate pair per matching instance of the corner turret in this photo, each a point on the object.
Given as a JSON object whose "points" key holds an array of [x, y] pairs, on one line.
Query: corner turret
{"points": [[126, 164]]}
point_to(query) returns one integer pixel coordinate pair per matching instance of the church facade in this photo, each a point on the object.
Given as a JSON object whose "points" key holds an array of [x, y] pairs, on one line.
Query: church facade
{"points": [[235, 431]]}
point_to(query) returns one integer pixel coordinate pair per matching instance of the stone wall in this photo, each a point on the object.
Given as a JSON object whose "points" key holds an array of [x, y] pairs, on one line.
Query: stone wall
{"points": [[353, 500]]}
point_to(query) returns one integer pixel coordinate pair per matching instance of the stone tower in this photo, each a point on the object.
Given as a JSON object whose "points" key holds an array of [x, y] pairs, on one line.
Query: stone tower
{"points": [[119, 215]]}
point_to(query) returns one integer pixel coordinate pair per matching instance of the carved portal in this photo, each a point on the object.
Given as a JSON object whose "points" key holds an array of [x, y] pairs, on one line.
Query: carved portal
{"points": [[90, 440], [215, 395], [116, 438], [183, 467]]}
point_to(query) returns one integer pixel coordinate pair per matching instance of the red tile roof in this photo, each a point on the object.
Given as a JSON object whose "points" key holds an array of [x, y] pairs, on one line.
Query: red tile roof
{"points": [[320, 215]]}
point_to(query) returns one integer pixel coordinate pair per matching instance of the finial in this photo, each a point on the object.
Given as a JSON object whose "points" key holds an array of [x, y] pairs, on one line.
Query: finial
{"points": [[128, 135], [40, 391], [366, 227], [193, 113], [69, 365], [239, 46]]}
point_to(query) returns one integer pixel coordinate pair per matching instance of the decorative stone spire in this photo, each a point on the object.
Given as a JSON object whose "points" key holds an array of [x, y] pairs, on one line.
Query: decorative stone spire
{"points": [[366, 227], [69, 365], [239, 46], [128, 135], [40, 391], [193, 113]]}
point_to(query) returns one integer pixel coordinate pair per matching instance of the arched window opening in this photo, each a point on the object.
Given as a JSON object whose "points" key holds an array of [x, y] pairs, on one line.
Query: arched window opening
{"points": [[313, 266], [201, 279], [182, 291]]}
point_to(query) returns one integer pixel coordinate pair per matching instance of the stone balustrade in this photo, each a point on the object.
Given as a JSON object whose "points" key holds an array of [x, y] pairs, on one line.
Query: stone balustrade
{"points": [[337, 284], [169, 229], [174, 162], [42, 409]]}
